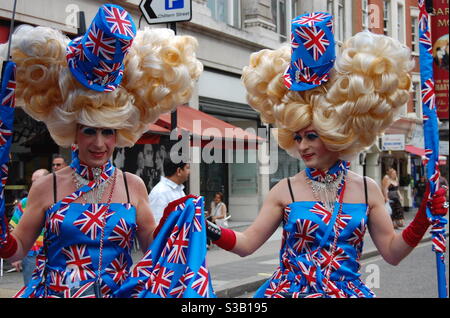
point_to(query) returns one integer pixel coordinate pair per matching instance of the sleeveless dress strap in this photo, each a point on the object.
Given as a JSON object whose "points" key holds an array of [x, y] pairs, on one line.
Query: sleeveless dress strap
{"points": [[54, 188], [126, 186], [365, 190], [290, 189]]}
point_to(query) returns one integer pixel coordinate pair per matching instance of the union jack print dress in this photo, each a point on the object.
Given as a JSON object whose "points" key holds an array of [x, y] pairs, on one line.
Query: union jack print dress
{"points": [[68, 264], [314, 262]]}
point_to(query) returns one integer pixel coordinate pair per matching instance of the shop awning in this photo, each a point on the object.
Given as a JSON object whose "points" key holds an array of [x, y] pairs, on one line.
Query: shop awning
{"points": [[421, 152], [205, 129], [153, 135], [415, 150]]}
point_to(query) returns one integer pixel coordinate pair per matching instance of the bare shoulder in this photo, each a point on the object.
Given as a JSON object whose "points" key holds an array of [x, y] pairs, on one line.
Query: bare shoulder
{"points": [[281, 193], [358, 180], [41, 191], [134, 182]]}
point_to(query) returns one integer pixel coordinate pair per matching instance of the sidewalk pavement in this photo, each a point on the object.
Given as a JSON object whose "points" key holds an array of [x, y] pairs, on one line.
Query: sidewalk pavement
{"points": [[231, 275]]}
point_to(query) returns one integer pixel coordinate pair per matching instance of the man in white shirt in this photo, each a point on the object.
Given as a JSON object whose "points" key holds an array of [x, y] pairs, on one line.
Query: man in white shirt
{"points": [[169, 188]]}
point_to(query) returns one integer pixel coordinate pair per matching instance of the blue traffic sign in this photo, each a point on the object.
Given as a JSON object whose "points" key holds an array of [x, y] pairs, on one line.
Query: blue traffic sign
{"points": [[165, 11], [174, 4]]}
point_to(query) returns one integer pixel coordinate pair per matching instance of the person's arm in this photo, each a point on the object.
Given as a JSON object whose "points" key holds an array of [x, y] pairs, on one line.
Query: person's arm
{"points": [[144, 218], [265, 224], [223, 211], [31, 223], [384, 187], [393, 246]]}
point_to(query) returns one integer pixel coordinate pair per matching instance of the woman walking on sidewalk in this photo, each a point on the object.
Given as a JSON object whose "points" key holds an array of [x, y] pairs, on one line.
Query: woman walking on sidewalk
{"points": [[326, 112], [97, 92], [392, 195]]}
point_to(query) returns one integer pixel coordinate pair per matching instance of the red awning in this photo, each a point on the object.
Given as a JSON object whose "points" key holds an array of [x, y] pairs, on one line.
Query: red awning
{"points": [[153, 135], [415, 150], [442, 160], [206, 129]]}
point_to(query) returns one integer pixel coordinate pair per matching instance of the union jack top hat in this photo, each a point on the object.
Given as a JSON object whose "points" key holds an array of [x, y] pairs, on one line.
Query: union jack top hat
{"points": [[312, 51], [96, 58]]}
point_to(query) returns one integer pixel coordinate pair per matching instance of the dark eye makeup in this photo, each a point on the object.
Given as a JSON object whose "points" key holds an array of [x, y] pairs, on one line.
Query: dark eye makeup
{"points": [[309, 136], [91, 131]]}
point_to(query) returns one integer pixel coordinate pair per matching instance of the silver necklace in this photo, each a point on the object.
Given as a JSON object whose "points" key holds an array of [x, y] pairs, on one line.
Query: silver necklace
{"points": [[326, 191], [96, 194]]}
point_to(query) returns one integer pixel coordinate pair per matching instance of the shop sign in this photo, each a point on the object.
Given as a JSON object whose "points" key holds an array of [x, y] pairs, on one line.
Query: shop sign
{"points": [[393, 142]]}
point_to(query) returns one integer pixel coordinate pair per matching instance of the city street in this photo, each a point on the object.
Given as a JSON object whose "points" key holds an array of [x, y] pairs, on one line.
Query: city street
{"points": [[414, 277]]}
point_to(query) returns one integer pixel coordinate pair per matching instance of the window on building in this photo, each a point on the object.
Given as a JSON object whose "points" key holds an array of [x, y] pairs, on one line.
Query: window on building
{"points": [[279, 18], [227, 11], [417, 105], [365, 14], [283, 11], [337, 9], [295, 7], [401, 23], [387, 18], [330, 6], [415, 35], [340, 27]]}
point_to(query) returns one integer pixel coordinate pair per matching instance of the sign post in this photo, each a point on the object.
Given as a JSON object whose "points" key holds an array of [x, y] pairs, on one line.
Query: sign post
{"points": [[166, 11]]}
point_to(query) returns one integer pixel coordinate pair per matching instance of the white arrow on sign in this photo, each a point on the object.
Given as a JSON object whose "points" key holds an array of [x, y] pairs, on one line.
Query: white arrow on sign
{"points": [[165, 11]]}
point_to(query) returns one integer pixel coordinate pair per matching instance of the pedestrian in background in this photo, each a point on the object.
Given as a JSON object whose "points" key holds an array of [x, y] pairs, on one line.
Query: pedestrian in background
{"points": [[28, 263], [419, 190], [169, 188], [93, 99], [393, 196], [218, 210], [327, 110], [58, 162]]}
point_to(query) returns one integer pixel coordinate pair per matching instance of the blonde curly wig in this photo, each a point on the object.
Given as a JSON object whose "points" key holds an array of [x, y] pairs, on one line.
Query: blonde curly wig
{"points": [[368, 85], [160, 73]]}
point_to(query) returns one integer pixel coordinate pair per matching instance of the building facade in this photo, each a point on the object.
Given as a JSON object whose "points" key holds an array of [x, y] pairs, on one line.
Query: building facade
{"points": [[228, 31]]}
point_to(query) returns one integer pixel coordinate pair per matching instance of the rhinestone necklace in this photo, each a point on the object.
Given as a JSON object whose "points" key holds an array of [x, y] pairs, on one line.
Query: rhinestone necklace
{"points": [[96, 194], [326, 191]]}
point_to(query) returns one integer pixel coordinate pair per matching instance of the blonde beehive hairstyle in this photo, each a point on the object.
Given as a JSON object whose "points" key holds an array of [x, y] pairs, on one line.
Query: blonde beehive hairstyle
{"points": [[368, 85], [160, 73]]}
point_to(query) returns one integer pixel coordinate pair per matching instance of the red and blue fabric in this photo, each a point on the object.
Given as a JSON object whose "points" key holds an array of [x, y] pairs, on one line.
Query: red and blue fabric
{"points": [[175, 263], [96, 58], [68, 263], [312, 262], [313, 51], [431, 136], [7, 100]]}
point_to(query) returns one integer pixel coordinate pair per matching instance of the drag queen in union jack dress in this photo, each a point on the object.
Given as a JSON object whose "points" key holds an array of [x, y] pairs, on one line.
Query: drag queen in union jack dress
{"points": [[327, 110], [94, 93]]}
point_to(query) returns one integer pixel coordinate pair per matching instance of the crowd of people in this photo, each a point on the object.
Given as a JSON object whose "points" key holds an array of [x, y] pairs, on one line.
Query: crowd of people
{"points": [[326, 109]]}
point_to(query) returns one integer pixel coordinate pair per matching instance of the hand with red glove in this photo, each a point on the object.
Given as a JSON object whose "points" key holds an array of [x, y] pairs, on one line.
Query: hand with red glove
{"points": [[439, 205], [8, 246], [413, 234], [222, 237], [168, 210]]}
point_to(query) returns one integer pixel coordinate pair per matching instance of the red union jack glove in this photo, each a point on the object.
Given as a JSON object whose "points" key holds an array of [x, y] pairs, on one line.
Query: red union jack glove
{"points": [[8, 246], [439, 206], [222, 237], [413, 234], [168, 210]]}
